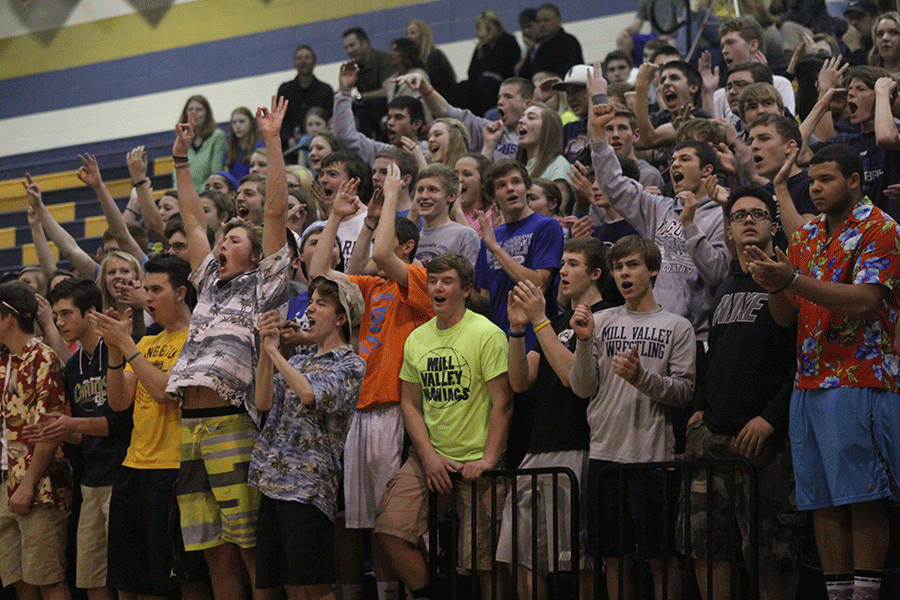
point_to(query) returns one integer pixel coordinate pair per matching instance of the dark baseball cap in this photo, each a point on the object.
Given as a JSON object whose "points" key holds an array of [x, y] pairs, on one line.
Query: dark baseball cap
{"points": [[861, 6]]}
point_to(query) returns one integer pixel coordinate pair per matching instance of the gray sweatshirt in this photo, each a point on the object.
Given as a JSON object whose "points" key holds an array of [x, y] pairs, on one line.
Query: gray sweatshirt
{"points": [[695, 259], [343, 126], [509, 140], [632, 423]]}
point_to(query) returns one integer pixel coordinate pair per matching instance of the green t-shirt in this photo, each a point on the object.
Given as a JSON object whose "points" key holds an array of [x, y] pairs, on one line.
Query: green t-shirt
{"points": [[453, 367]]}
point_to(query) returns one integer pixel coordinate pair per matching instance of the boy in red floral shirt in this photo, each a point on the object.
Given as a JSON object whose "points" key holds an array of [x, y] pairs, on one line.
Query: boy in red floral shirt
{"points": [[839, 285], [38, 478]]}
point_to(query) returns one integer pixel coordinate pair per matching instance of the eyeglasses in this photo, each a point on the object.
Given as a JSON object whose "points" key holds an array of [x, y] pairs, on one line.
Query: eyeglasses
{"points": [[756, 215]]}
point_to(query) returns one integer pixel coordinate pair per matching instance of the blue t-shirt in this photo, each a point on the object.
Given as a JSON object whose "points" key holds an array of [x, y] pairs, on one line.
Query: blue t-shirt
{"points": [[535, 242]]}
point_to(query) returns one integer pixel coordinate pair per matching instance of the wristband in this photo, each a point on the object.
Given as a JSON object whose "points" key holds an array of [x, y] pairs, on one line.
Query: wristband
{"points": [[136, 213], [179, 158], [142, 181], [366, 223], [600, 99], [113, 368], [517, 334], [789, 284], [133, 356], [428, 93], [541, 325]]}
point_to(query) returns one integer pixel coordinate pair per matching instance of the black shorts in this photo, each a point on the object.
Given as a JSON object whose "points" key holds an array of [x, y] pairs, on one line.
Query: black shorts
{"points": [[616, 529], [146, 553], [294, 545]]}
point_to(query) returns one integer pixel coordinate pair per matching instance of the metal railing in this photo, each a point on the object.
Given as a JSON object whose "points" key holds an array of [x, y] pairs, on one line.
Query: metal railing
{"points": [[443, 542]]}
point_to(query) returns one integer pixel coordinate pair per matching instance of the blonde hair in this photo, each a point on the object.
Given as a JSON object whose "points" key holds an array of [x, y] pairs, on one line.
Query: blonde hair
{"points": [[426, 38], [109, 300], [458, 144]]}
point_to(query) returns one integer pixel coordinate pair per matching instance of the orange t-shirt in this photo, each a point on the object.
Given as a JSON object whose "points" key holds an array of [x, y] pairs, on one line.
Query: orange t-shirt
{"points": [[392, 312]]}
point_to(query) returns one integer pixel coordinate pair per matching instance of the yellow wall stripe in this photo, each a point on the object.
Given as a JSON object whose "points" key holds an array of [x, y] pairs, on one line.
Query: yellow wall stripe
{"points": [[134, 34]]}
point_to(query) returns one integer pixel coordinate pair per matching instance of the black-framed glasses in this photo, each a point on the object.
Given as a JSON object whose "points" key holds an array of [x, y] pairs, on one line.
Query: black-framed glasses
{"points": [[756, 215]]}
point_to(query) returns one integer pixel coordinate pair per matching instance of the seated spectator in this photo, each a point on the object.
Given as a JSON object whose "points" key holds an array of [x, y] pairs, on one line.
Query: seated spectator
{"points": [[886, 52], [243, 139], [315, 122], [556, 51], [206, 154], [374, 70], [303, 92], [405, 61], [493, 61], [437, 66], [857, 42]]}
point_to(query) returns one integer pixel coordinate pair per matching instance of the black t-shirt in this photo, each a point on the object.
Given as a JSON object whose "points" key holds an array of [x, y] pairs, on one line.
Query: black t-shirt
{"points": [[798, 188], [559, 420]]}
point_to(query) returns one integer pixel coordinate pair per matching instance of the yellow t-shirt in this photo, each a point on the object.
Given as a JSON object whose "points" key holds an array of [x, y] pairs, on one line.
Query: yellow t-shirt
{"points": [[156, 438], [453, 367]]}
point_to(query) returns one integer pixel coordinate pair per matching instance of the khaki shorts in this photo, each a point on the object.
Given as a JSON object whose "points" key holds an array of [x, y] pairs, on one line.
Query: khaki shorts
{"points": [[33, 546], [403, 511], [92, 537]]}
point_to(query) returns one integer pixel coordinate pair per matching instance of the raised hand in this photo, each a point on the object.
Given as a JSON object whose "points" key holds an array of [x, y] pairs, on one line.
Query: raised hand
{"points": [[270, 119], [646, 73], [35, 200], [89, 173], [348, 74], [346, 203], [710, 76], [392, 183], [781, 178], [487, 232], [596, 82], [184, 136], [601, 114], [493, 131], [579, 181], [545, 90], [137, 164], [516, 312]]}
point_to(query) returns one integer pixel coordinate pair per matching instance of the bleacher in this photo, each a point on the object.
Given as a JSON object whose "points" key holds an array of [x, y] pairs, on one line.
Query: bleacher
{"points": [[74, 206]]}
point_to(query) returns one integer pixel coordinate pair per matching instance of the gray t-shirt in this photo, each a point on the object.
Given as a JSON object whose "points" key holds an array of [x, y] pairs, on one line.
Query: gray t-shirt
{"points": [[452, 237]]}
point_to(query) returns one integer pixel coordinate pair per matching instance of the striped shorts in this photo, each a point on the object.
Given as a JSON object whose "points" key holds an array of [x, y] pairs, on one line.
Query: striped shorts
{"points": [[216, 503]]}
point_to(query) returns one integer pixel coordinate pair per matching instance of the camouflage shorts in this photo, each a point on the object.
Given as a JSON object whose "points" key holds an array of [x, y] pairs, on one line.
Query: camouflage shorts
{"points": [[780, 524]]}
